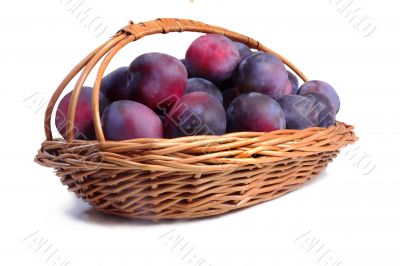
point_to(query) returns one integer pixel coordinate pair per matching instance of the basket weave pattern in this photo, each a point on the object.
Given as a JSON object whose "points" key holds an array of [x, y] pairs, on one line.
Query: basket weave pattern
{"points": [[185, 177]]}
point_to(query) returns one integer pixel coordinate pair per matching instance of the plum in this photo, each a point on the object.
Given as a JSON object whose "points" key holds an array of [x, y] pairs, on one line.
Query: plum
{"points": [[294, 82], [263, 73], [243, 49], [156, 77], [311, 110], [124, 120], [196, 113], [324, 88], [296, 109], [254, 112], [115, 85], [321, 109], [84, 126], [199, 84], [213, 57]]}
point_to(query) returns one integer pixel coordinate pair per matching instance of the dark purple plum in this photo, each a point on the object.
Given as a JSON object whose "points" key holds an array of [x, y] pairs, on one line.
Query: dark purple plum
{"points": [[115, 85], [84, 126], [156, 77], [324, 88], [263, 73], [183, 61], [229, 95], [243, 49], [213, 57], [124, 120], [199, 84], [311, 110], [297, 109], [294, 82], [196, 113], [322, 109], [254, 112]]}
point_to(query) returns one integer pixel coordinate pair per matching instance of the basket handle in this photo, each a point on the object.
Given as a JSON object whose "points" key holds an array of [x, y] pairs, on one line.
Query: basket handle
{"points": [[109, 49]]}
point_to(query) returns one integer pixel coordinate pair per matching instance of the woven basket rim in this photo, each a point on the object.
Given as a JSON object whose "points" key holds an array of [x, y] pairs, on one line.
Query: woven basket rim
{"points": [[202, 137], [197, 153]]}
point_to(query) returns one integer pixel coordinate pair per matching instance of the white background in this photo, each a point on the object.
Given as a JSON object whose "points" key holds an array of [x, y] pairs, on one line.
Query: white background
{"points": [[352, 214]]}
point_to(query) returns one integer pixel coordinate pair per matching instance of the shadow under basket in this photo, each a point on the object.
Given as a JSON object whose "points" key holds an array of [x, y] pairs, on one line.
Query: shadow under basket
{"points": [[186, 177]]}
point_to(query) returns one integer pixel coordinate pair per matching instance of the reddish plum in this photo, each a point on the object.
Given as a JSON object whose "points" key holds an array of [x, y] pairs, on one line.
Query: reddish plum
{"points": [[213, 57], [83, 127], [156, 77]]}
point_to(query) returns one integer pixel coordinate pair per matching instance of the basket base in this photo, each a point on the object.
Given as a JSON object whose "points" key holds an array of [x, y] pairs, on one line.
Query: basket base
{"points": [[183, 196]]}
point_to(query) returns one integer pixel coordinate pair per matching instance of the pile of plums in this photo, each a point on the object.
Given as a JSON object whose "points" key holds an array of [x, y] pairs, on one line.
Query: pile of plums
{"points": [[220, 87]]}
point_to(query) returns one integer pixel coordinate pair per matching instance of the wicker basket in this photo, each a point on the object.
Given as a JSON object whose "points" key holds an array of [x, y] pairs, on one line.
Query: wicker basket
{"points": [[185, 177]]}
